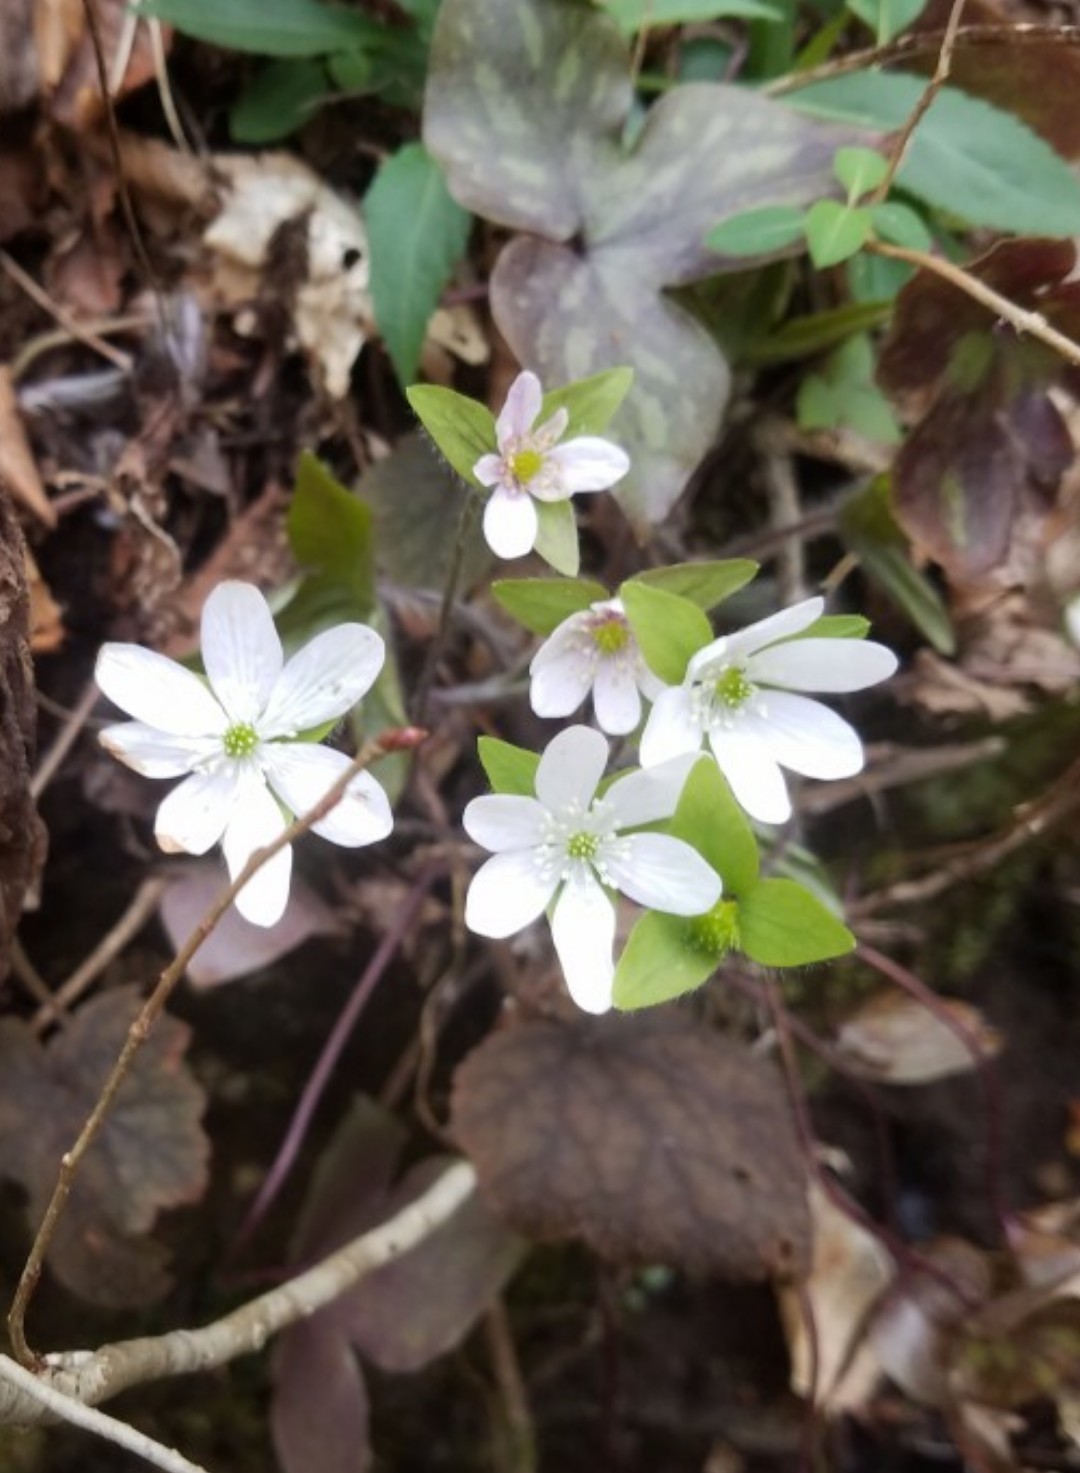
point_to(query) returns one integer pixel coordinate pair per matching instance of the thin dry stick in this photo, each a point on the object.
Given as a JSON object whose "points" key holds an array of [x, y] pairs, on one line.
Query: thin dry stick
{"points": [[151, 1011], [65, 739], [924, 104], [143, 905], [114, 1368], [74, 329], [69, 1409], [520, 1431], [924, 43], [1034, 324]]}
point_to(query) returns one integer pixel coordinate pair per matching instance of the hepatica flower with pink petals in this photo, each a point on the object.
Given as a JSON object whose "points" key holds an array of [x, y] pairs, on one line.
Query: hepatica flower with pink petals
{"points": [[570, 846], [234, 732], [743, 694], [532, 464], [594, 650]]}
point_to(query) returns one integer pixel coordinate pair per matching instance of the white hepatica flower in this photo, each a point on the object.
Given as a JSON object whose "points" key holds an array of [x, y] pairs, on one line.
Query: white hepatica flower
{"points": [[568, 843], [531, 463], [232, 733], [739, 693], [594, 650]]}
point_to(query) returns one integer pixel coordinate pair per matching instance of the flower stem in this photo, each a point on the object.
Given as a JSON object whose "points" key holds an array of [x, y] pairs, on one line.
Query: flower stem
{"points": [[151, 1010], [450, 588]]}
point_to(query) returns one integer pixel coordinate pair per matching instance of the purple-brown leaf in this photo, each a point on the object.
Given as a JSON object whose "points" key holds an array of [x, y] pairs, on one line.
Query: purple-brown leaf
{"points": [[654, 1139], [151, 1153]]}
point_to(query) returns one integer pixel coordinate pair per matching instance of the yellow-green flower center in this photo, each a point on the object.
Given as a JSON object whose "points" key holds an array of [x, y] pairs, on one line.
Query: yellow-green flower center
{"points": [[717, 931], [583, 846], [732, 689], [240, 740], [611, 636], [525, 464]]}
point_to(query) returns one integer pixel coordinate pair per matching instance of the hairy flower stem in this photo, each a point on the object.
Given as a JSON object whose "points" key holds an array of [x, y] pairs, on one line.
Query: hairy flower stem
{"points": [[450, 588], [150, 1012]]}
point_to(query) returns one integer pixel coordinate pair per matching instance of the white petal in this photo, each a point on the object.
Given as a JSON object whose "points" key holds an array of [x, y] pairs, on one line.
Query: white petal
{"points": [[589, 464], [822, 664], [323, 680], [570, 769], [155, 753], [503, 821], [650, 793], [507, 893], [510, 523], [257, 820], [663, 873], [806, 736], [650, 685], [754, 776], [561, 682], [518, 414], [301, 773], [158, 691], [553, 429], [671, 730], [583, 929], [240, 649], [193, 817], [616, 698], [571, 634], [490, 471], [777, 626], [1072, 621]]}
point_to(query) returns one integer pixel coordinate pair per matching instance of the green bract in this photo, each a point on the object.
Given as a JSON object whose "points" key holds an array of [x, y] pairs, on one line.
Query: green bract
{"points": [[668, 629], [509, 769], [775, 922]]}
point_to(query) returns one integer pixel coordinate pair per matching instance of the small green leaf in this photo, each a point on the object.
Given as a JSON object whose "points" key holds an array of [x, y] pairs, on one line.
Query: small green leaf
{"points": [[710, 821], [804, 337], [660, 961], [278, 100], [541, 604], [557, 539], [967, 157], [901, 225], [757, 232], [819, 404], [462, 428], [330, 532], [834, 626], [835, 231], [887, 18], [591, 403], [859, 170], [417, 234], [669, 629], [509, 769], [705, 584], [783, 925], [266, 27]]}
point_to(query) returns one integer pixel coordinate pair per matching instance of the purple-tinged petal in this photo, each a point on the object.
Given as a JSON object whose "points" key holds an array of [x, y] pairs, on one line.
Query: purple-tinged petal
{"points": [[518, 414]]}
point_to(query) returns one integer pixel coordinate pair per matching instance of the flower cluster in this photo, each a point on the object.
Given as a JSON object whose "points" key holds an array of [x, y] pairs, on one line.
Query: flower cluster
{"points": [[239, 736]]}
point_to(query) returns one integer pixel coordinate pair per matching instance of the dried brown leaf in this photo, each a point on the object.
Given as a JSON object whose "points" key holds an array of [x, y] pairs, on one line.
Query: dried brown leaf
{"points": [[895, 1039], [151, 1153], [851, 1269], [654, 1139], [18, 468]]}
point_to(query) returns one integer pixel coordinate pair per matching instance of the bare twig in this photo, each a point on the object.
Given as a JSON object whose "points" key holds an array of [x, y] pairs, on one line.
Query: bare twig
{"points": [[520, 1432], [924, 104], [92, 1378], [143, 904], [68, 1409], [1033, 324], [151, 1011], [65, 739], [785, 513], [924, 43], [71, 326]]}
